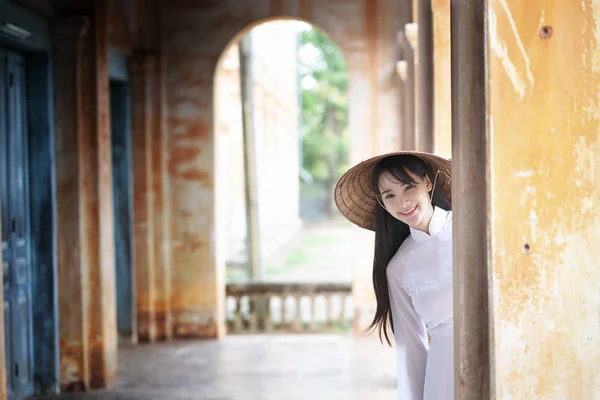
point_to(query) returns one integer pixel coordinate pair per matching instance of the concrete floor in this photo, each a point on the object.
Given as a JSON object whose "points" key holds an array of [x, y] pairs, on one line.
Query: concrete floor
{"points": [[290, 367]]}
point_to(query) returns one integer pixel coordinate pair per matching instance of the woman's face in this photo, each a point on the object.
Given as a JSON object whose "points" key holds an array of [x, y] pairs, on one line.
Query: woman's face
{"points": [[408, 203]]}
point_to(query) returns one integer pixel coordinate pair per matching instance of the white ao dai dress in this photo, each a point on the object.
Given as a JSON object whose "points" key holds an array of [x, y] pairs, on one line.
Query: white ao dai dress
{"points": [[420, 287]]}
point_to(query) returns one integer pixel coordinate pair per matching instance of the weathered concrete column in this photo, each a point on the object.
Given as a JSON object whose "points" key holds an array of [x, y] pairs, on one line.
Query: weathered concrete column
{"points": [[103, 332], [442, 100], [470, 229], [197, 300], [85, 247], [143, 99], [162, 255], [73, 298]]}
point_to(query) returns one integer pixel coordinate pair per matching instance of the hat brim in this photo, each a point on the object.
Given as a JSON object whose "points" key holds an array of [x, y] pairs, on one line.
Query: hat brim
{"points": [[356, 199]]}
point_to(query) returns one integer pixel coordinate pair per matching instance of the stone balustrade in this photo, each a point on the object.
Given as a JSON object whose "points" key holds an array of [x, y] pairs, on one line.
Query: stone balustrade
{"points": [[273, 307]]}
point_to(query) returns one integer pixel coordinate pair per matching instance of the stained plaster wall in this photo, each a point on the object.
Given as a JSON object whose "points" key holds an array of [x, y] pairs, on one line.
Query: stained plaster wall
{"points": [[544, 226], [194, 36]]}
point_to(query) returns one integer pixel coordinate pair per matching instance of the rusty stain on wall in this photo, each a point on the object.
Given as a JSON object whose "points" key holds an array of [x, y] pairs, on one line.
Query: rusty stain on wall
{"points": [[544, 124]]}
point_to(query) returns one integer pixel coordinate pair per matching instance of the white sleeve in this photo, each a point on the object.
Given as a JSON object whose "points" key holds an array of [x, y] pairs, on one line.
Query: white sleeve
{"points": [[411, 346]]}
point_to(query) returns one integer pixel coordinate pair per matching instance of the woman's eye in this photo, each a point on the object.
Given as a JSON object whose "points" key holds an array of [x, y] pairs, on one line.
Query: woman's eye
{"points": [[388, 196], [407, 188]]}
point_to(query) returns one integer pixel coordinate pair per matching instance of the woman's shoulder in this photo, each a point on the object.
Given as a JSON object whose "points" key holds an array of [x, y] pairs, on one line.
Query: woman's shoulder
{"points": [[403, 251], [447, 229]]}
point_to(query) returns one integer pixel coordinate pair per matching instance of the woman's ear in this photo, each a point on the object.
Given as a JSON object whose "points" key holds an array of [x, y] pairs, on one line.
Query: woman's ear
{"points": [[428, 184]]}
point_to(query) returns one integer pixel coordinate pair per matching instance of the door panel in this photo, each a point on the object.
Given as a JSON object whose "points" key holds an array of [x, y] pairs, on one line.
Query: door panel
{"points": [[3, 150], [15, 226], [122, 205], [6, 222], [21, 280]]}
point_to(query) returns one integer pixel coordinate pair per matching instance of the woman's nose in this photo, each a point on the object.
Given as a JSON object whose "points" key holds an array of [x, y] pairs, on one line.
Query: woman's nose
{"points": [[403, 201]]}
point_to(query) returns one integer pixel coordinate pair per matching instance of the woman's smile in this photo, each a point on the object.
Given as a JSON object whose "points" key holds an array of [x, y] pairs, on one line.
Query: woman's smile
{"points": [[409, 213]]}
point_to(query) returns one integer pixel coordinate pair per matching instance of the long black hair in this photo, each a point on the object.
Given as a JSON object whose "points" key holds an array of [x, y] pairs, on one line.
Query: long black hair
{"points": [[390, 233]]}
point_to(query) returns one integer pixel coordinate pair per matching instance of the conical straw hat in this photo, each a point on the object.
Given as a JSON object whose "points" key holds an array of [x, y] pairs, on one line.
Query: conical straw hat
{"points": [[356, 199]]}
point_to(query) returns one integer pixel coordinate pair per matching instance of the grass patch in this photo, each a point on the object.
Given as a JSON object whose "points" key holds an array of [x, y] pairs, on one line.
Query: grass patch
{"points": [[297, 258], [322, 240]]}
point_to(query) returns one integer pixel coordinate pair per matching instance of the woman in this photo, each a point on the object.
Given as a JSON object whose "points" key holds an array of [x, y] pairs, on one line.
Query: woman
{"points": [[405, 198]]}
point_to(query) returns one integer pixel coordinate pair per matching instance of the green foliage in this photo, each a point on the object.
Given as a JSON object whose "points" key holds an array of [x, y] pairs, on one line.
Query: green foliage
{"points": [[324, 91]]}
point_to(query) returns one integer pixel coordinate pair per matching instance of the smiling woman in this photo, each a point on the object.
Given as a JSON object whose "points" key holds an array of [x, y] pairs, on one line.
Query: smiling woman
{"points": [[405, 198], [405, 194]]}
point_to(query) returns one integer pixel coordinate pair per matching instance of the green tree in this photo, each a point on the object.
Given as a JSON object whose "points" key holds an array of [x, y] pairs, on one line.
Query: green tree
{"points": [[324, 92]]}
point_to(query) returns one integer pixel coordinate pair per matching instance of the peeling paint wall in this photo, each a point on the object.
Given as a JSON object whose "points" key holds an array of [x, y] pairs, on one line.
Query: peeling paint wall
{"points": [[544, 224], [195, 35]]}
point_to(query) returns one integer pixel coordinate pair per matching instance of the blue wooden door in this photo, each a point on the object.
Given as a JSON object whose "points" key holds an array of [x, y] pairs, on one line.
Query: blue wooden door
{"points": [[15, 226], [122, 205]]}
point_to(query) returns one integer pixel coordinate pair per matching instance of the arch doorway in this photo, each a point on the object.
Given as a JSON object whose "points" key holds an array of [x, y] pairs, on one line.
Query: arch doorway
{"points": [[281, 137]]}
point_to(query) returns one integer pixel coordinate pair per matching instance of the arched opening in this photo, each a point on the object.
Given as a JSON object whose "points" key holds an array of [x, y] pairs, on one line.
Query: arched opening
{"points": [[281, 143]]}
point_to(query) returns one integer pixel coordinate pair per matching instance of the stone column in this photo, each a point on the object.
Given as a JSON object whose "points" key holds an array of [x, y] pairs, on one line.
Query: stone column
{"points": [[143, 125], [162, 255], [85, 247], [103, 332], [68, 37]]}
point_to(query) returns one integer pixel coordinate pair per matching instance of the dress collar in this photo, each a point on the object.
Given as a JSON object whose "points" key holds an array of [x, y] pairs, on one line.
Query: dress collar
{"points": [[436, 224]]}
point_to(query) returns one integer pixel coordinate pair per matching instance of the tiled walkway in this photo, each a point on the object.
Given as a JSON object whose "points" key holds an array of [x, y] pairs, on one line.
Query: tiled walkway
{"points": [[301, 367]]}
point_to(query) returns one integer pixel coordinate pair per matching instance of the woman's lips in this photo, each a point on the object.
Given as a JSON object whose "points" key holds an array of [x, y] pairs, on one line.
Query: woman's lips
{"points": [[410, 213]]}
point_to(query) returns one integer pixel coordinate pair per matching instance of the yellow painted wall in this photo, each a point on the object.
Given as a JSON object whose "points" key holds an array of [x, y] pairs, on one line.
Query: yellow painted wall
{"points": [[544, 152]]}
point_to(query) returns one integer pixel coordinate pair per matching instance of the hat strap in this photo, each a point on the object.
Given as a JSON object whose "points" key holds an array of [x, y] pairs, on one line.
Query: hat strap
{"points": [[380, 203], [435, 181]]}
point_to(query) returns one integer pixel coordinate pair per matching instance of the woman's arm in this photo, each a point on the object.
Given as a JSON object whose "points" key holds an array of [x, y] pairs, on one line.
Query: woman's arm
{"points": [[411, 346]]}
